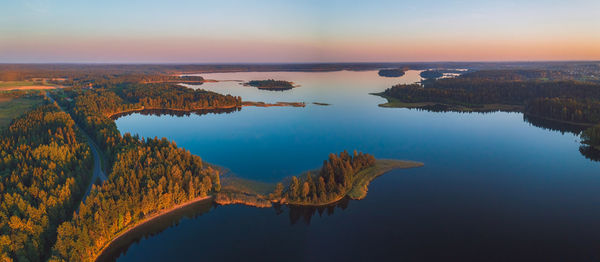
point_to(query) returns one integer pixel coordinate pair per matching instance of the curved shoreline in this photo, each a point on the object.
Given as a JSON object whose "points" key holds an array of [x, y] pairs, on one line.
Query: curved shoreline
{"points": [[135, 110], [357, 192], [124, 233], [362, 180], [245, 103]]}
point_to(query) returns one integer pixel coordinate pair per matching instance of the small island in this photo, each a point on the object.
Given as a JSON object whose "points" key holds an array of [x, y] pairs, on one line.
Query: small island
{"points": [[397, 72], [431, 74], [341, 176], [271, 84]]}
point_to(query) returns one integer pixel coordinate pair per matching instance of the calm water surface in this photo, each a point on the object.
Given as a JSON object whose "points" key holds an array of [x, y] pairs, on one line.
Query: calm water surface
{"points": [[493, 188]]}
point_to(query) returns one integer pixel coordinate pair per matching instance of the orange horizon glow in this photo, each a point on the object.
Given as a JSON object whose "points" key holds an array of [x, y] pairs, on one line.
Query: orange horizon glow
{"points": [[383, 31]]}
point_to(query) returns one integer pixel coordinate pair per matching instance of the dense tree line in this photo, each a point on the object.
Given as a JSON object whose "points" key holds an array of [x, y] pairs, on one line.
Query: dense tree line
{"points": [[482, 91], [397, 72], [565, 109], [567, 101], [91, 107], [519, 75], [45, 166], [271, 84], [170, 96], [431, 74], [591, 137], [148, 176], [332, 181], [560, 100]]}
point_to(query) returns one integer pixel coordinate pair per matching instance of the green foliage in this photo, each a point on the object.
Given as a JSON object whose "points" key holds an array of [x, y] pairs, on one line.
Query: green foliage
{"points": [[566, 109], [148, 176], [559, 100], [271, 84], [16, 103], [591, 137], [44, 169], [332, 182], [431, 74], [169, 96], [391, 72]]}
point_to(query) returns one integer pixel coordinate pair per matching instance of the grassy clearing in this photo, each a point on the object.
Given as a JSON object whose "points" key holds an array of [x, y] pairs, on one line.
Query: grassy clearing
{"points": [[231, 183], [4, 84], [24, 85], [11, 107]]}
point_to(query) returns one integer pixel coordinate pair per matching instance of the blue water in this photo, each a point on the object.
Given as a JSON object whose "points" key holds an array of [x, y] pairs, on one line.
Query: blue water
{"points": [[493, 188]]}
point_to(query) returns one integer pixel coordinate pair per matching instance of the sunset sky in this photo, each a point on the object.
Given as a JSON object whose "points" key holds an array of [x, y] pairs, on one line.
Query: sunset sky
{"points": [[297, 31]]}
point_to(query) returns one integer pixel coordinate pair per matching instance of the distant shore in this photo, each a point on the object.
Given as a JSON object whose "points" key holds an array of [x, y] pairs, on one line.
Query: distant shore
{"points": [[245, 103]]}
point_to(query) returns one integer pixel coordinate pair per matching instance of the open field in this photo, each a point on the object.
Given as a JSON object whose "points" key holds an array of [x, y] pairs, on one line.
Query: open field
{"points": [[11, 107], [24, 85]]}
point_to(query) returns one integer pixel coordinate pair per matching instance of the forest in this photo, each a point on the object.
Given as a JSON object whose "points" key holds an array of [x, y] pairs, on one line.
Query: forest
{"points": [[329, 184], [538, 92], [271, 84], [431, 74], [391, 72], [146, 175], [45, 167], [536, 96]]}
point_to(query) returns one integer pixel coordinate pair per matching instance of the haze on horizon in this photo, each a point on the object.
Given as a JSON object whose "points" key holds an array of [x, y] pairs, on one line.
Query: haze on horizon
{"points": [[152, 31]]}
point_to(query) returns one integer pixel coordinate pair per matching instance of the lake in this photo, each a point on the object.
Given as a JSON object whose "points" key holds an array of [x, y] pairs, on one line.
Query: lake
{"points": [[494, 187]]}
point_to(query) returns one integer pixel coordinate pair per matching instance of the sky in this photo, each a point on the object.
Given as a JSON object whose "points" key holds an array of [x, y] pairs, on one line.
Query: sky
{"points": [[262, 31]]}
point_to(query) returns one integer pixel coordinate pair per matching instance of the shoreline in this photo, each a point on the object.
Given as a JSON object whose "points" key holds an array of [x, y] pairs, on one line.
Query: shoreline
{"points": [[135, 110], [244, 104], [362, 181], [149, 220], [395, 103]]}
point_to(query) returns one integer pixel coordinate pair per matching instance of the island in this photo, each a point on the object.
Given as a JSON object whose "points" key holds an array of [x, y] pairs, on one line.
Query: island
{"points": [[431, 74], [271, 84], [341, 176], [398, 72]]}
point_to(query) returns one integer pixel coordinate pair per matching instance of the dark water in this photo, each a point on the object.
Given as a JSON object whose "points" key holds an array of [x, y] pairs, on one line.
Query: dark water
{"points": [[494, 187]]}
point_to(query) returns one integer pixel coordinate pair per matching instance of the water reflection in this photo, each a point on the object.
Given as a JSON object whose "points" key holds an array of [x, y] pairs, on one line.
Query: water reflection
{"points": [[553, 125], [178, 113], [306, 213], [119, 247], [589, 152]]}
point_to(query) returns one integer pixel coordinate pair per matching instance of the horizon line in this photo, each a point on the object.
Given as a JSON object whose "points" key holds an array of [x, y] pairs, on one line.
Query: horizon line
{"points": [[292, 63]]}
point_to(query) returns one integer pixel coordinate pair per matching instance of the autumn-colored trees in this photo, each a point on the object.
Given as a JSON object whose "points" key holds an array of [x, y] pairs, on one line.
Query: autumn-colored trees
{"points": [[45, 166], [332, 181], [148, 176]]}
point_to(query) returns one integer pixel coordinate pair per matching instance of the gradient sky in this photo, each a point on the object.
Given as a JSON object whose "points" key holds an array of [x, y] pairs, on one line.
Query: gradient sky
{"points": [[297, 31]]}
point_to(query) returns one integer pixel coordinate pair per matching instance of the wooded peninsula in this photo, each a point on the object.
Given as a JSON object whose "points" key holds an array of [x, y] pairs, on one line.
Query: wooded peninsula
{"points": [[46, 165], [546, 94], [271, 84]]}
